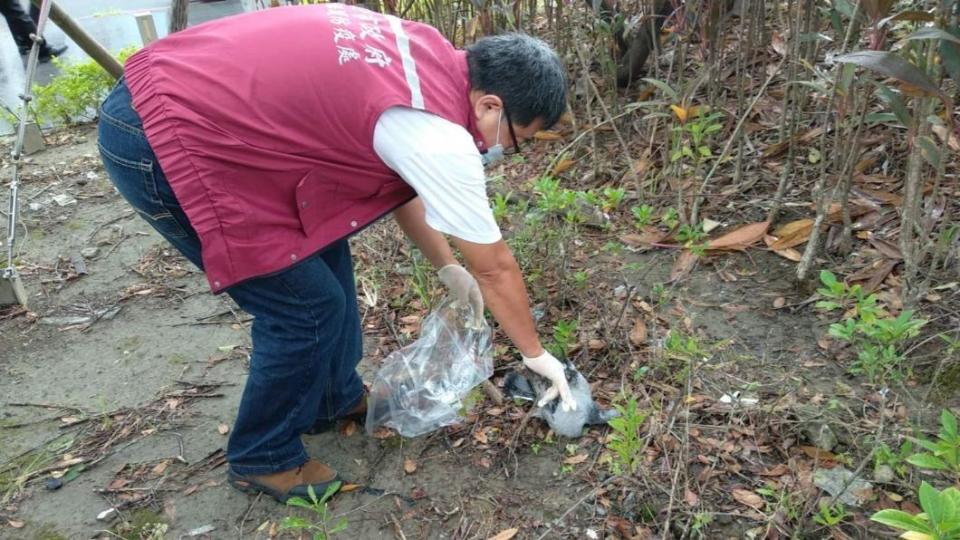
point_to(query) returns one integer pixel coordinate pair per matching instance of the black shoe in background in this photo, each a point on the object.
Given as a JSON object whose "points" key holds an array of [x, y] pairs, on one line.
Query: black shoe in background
{"points": [[46, 53]]}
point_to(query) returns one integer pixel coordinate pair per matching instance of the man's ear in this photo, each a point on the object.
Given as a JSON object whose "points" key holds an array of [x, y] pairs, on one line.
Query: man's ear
{"points": [[486, 103]]}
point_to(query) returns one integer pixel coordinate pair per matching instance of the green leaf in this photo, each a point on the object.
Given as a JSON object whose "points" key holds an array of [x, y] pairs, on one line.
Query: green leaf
{"points": [[899, 519], [950, 55], [932, 33], [828, 278], [929, 150], [931, 504], [895, 101], [664, 87], [73, 473], [299, 501], [880, 118], [949, 423], [331, 489], [341, 525], [293, 522], [931, 446], [891, 65], [927, 461]]}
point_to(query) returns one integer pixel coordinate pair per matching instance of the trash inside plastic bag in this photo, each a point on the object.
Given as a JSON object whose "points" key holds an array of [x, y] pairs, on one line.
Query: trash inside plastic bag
{"points": [[420, 387]]}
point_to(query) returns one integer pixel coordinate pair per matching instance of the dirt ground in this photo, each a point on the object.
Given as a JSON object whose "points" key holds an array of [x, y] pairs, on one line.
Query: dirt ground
{"points": [[117, 386]]}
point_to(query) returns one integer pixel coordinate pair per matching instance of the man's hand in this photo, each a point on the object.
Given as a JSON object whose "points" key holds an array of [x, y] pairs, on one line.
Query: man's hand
{"points": [[549, 367], [465, 289]]}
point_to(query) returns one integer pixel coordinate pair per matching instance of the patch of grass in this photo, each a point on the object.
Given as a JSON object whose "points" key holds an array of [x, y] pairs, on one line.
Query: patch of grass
{"points": [[47, 531], [144, 524]]}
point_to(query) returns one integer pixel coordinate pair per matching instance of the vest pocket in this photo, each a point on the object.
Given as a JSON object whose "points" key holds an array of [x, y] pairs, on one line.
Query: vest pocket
{"points": [[324, 194]]}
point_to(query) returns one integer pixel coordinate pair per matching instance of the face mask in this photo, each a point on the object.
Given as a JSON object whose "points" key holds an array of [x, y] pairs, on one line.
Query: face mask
{"points": [[495, 152]]}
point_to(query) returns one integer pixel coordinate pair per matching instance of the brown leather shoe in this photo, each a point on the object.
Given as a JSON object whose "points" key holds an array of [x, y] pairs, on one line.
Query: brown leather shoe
{"points": [[284, 485], [357, 414]]}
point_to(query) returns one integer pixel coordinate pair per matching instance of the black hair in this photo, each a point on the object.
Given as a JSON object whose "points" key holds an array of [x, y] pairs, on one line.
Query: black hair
{"points": [[524, 72]]}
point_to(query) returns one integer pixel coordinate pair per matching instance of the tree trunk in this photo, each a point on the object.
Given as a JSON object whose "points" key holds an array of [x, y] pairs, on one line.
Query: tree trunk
{"points": [[632, 55], [178, 15]]}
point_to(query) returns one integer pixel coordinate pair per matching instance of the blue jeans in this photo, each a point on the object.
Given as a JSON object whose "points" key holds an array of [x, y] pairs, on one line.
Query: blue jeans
{"points": [[306, 328]]}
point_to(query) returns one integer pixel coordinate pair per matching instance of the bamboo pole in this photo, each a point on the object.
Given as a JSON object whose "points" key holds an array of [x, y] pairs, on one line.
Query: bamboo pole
{"points": [[89, 45]]}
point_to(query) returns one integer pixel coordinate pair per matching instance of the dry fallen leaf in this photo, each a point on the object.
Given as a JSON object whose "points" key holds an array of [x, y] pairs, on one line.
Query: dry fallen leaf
{"points": [[596, 344], [563, 165], [223, 429], [647, 238], [348, 428], [683, 265], [159, 468], [680, 112], [691, 498], [790, 254], [638, 334], [16, 524], [480, 436], [576, 460], [792, 234], [409, 466], [819, 453], [778, 470], [547, 136], [748, 498], [506, 534], [741, 238], [779, 302]]}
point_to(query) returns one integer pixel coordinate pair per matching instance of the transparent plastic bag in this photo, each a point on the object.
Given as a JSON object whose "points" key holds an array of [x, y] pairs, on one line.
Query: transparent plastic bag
{"points": [[420, 387]]}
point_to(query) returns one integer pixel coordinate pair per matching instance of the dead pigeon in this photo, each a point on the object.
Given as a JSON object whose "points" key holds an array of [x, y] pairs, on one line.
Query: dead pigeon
{"points": [[565, 423]]}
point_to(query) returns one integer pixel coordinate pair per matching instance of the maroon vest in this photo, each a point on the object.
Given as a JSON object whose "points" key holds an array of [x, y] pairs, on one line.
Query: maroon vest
{"points": [[263, 125]]}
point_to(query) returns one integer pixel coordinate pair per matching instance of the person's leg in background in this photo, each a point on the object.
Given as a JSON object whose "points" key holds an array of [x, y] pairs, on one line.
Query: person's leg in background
{"points": [[22, 25]]}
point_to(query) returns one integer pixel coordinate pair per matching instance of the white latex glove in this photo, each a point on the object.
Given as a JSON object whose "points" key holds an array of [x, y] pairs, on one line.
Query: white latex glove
{"points": [[465, 289], [549, 367]]}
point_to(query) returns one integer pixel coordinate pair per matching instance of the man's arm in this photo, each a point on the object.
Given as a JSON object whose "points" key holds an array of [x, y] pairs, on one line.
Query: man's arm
{"points": [[493, 265], [504, 292], [433, 244]]}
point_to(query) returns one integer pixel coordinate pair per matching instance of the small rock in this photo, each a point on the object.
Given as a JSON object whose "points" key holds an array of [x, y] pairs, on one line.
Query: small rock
{"points": [[857, 492], [107, 515], [820, 435], [89, 252], [53, 484], [883, 474], [620, 291]]}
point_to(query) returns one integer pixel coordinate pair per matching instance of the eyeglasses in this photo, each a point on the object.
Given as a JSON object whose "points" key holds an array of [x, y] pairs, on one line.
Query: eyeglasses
{"points": [[515, 149]]}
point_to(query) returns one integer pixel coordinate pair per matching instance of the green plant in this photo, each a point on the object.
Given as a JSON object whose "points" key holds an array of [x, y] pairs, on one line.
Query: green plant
{"points": [[700, 521], [500, 206], [612, 198], [552, 198], [897, 461], [940, 519], [690, 137], [642, 215], [564, 335], [75, 92], [944, 453], [879, 339], [683, 347], [580, 278], [321, 529], [670, 217], [691, 234], [625, 441], [422, 273], [830, 515]]}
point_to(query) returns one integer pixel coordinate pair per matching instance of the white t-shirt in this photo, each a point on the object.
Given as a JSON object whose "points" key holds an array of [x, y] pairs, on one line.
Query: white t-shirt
{"points": [[442, 164]]}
